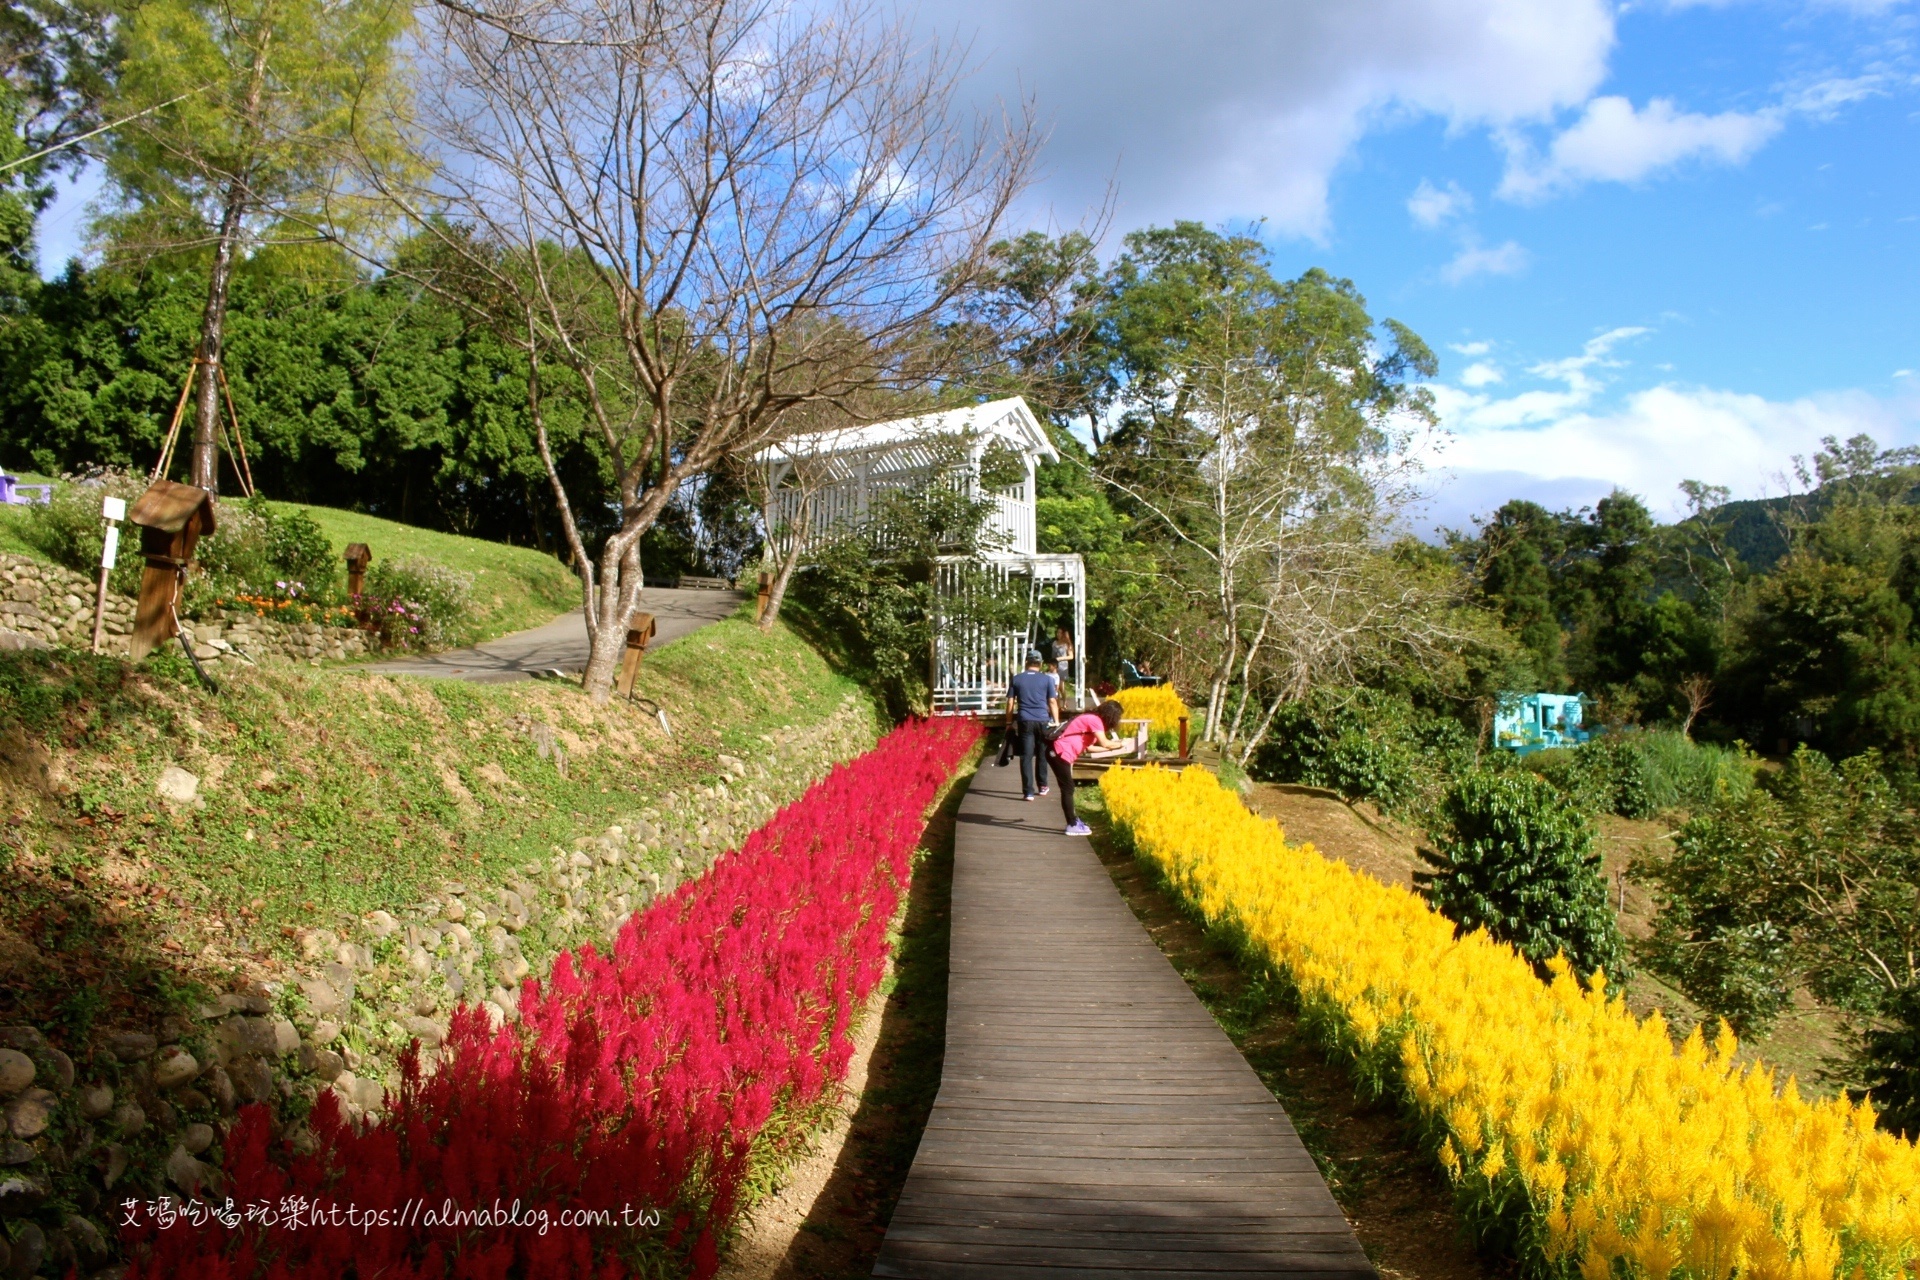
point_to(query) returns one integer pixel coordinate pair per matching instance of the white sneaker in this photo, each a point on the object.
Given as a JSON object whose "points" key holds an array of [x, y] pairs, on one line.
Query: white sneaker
{"points": [[1079, 829]]}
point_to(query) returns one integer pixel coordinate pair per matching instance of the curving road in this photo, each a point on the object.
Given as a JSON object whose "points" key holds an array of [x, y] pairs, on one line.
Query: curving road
{"points": [[561, 645]]}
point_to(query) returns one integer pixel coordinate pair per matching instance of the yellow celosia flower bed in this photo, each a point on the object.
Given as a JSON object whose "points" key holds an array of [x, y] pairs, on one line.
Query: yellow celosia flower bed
{"points": [[1158, 703], [1552, 1107]]}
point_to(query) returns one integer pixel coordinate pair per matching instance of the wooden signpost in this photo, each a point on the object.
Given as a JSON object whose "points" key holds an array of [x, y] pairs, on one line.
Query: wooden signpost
{"points": [[359, 556], [172, 519], [638, 634]]}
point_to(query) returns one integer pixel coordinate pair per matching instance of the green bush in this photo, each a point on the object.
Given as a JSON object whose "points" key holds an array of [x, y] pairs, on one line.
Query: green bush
{"points": [[1892, 1059], [1516, 859], [1691, 775], [300, 553], [1367, 745], [70, 532], [1604, 776], [1808, 877], [1643, 772], [252, 550], [417, 604]]}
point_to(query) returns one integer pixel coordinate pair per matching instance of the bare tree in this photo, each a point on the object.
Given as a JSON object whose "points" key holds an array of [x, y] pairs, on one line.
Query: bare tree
{"points": [[711, 214], [791, 488], [1698, 691]]}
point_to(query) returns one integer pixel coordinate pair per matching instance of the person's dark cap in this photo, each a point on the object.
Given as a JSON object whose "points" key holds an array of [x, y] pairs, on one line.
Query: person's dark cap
{"points": [[1033, 656]]}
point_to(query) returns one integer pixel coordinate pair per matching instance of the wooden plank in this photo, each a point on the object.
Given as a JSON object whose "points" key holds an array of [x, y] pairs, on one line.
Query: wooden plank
{"points": [[1092, 1120]]}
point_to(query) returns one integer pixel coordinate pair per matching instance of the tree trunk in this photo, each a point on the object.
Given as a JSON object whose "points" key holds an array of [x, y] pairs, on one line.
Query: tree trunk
{"points": [[213, 321], [778, 591], [213, 327]]}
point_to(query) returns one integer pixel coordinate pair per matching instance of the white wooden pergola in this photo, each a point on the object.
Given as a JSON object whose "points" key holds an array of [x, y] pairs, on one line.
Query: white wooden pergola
{"points": [[847, 470]]}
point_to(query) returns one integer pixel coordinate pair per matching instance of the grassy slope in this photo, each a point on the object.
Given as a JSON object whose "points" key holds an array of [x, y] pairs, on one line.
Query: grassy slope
{"points": [[326, 794], [514, 587], [13, 532]]}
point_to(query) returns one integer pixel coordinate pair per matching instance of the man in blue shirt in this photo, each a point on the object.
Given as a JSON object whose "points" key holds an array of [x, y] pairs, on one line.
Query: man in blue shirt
{"points": [[1031, 706]]}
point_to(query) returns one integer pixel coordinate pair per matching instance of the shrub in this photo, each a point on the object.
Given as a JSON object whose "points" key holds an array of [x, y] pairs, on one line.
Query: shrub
{"points": [[1598, 1147], [1643, 772], [1809, 876], [1691, 775], [1367, 745], [1892, 1059], [1604, 776], [299, 551], [1517, 860], [69, 530], [417, 604], [252, 551]]}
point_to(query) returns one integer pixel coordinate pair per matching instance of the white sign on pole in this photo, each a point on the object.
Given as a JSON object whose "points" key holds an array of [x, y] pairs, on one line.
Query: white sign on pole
{"points": [[113, 508], [112, 549]]}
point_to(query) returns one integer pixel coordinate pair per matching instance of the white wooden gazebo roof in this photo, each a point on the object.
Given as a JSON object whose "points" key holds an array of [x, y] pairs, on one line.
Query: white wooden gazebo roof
{"points": [[907, 443]]}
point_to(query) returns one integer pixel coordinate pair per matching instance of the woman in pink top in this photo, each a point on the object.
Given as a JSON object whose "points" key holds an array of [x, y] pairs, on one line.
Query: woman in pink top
{"points": [[1093, 729]]}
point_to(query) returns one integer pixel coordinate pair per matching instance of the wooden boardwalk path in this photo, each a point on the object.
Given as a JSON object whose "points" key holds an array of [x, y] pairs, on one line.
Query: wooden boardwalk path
{"points": [[1092, 1119]]}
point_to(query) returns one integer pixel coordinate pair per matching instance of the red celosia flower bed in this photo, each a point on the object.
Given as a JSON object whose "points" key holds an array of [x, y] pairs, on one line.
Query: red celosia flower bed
{"points": [[636, 1081]]}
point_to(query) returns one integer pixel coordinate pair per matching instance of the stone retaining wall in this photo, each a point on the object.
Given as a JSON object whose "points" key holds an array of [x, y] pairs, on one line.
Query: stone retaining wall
{"points": [[144, 1116], [50, 605]]}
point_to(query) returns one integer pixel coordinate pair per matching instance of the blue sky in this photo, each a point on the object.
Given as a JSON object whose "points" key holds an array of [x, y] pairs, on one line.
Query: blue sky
{"points": [[1650, 242]]}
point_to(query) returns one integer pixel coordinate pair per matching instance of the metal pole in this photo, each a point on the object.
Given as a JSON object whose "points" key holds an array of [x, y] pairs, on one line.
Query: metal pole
{"points": [[112, 510], [1080, 628]]}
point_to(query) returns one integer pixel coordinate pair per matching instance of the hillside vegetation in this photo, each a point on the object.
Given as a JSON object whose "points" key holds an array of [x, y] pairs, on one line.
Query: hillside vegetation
{"points": [[322, 795], [512, 588]]}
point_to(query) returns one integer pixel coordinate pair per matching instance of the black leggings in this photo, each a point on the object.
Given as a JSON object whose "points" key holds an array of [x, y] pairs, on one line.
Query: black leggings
{"points": [[1063, 778]]}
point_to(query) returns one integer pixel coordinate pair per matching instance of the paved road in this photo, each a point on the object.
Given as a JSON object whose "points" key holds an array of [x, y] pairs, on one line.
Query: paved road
{"points": [[562, 644], [1092, 1122]]}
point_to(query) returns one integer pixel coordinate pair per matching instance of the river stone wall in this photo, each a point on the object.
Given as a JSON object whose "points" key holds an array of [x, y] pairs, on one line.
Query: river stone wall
{"points": [[44, 604], [144, 1116]]}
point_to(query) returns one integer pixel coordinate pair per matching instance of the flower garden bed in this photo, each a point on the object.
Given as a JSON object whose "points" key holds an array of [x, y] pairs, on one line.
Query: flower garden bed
{"points": [[1574, 1132], [642, 1084]]}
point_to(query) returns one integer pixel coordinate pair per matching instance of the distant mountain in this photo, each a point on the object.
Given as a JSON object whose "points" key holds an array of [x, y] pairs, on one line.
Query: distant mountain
{"points": [[1753, 529]]}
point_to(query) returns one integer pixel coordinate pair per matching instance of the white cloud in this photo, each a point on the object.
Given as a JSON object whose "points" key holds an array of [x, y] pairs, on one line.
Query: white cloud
{"points": [[1244, 108], [1476, 260], [1481, 374], [1466, 412], [1574, 442], [1615, 142], [1665, 434], [1431, 206], [1823, 98], [1471, 348]]}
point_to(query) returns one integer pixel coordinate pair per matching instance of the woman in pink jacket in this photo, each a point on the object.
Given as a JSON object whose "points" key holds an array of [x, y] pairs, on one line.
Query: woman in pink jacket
{"points": [[1078, 735]]}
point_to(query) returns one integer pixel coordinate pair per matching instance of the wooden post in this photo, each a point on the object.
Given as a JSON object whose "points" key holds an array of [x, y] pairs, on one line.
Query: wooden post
{"points": [[359, 556], [112, 510], [766, 592], [1183, 737], [637, 636]]}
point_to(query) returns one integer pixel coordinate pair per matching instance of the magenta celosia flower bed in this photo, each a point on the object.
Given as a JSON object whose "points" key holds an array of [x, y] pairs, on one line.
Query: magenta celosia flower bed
{"points": [[635, 1085]]}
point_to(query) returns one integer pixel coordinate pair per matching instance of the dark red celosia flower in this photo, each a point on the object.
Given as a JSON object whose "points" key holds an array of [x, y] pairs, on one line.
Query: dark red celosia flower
{"points": [[641, 1078]]}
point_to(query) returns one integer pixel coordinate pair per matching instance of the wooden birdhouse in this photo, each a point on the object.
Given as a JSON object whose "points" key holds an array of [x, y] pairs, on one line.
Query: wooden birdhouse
{"points": [[172, 518], [359, 556]]}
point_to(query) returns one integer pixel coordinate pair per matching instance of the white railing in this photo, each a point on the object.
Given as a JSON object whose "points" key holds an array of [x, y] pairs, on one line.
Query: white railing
{"points": [[843, 508], [1010, 524]]}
